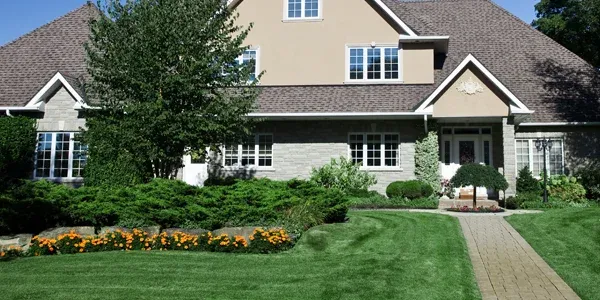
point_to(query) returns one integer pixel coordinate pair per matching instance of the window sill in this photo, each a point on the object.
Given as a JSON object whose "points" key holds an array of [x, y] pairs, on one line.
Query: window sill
{"points": [[252, 169], [61, 179], [382, 169], [373, 82], [301, 20]]}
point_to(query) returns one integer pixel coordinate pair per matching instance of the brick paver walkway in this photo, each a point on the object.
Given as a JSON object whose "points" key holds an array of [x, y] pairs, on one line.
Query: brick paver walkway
{"points": [[506, 267]]}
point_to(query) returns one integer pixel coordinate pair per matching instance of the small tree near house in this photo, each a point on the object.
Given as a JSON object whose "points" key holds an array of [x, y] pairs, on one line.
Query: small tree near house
{"points": [[165, 81], [478, 175]]}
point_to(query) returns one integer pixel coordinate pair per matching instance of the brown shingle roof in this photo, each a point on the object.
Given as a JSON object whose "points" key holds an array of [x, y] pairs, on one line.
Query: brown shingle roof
{"points": [[548, 78], [27, 63]]}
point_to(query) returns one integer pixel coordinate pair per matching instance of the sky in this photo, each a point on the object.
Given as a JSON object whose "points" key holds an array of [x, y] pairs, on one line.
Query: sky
{"points": [[20, 17]]}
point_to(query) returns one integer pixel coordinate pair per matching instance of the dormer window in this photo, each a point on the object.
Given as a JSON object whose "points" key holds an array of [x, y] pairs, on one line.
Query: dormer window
{"points": [[302, 9]]}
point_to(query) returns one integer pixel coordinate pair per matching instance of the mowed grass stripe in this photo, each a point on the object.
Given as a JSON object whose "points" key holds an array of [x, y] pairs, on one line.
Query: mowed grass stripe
{"points": [[376, 255]]}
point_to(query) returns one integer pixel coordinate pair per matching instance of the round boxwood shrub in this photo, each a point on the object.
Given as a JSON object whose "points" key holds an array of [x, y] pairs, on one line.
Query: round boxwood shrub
{"points": [[426, 189], [412, 189], [394, 189]]}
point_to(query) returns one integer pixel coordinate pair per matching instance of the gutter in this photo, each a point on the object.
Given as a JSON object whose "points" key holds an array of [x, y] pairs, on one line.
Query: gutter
{"points": [[561, 124], [340, 115]]}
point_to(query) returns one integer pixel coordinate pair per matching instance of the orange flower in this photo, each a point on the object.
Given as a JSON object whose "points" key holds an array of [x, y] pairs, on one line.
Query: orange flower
{"points": [[2, 254], [81, 250], [146, 244]]}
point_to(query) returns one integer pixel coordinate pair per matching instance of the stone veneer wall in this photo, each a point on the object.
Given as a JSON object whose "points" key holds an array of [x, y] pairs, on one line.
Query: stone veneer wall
{"points": [[510, 161], [581, 144], [59, 114], [298, 146]]}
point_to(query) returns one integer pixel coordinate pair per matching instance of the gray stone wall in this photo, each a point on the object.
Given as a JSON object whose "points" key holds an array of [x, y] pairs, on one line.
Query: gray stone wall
{"points": [[298, 146], [59, 114], [581, 143]]}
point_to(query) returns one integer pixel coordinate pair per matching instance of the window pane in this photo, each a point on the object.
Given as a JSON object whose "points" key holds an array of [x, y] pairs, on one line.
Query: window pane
{"points": [[373, 150], [231, 155], [311, 8], [294, 8], [374, 63], [79, 157], [522, 154], [43, 155], [249, 58], [555, 161], [538, 160], [265, 150], [486, 152], [391, 63], [61, 159], [356, 148], [356, 63], [249, 153], [466, 130], [486, 131], [391, 150]]}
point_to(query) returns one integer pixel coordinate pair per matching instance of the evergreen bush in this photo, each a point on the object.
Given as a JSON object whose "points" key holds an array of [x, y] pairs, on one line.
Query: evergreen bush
{"points": [[526, 183], [17, 149], [427, 166]]}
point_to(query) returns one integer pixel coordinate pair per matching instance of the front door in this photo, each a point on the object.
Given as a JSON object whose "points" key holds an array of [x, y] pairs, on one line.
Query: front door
{"points": [[458, 151]]}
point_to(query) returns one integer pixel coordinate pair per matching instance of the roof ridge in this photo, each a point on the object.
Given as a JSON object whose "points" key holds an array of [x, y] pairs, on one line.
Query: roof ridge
{"points": [[547, 38], [87, 4]]}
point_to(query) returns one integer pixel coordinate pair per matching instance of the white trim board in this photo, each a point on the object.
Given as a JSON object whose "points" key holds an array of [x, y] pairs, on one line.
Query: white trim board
{"points": [[50, 87], [516, 106], [562, 124], [379, 3]]}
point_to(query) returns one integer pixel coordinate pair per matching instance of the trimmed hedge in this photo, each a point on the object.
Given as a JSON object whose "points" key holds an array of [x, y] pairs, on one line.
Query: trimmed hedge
{"points": [[36, 206], [412, 189]]}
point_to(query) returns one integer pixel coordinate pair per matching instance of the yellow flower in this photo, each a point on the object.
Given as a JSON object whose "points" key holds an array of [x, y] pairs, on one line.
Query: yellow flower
{"points": [[81, 250], [51, 249], [142, 239], [121, 245], [146, 245], [195, 244], [178, 245], [76, 245], [185, 247]]}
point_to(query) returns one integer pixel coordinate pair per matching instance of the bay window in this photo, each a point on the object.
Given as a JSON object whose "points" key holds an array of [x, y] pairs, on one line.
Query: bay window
{"points": [[374, 149], [256, 152], [373, 64], [528, 155], [59, 155]]}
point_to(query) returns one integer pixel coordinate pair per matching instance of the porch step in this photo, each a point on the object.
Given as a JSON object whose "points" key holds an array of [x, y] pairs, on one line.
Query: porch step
{"points": [[460, 203], [467, 194]]}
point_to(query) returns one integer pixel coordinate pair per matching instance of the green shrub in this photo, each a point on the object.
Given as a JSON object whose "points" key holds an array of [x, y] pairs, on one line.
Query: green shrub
{"points": [[526, 183], [394, 189], [381, 201], [590, 179], [565, 188], [412, 189], [17, 148], [343, 175], [427, 166]]}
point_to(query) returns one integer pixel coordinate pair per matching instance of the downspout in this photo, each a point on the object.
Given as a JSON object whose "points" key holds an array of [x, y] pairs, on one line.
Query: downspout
{"points": [[8, 113], [425, 122]]}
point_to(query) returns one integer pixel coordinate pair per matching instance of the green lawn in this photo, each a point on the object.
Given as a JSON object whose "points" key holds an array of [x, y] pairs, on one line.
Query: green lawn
{"points": [[569, 240], [377, 255]]}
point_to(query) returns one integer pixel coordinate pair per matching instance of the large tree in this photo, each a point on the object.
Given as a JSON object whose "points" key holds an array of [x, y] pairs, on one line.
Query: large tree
{"points": [[165, 82], [573, 23]]}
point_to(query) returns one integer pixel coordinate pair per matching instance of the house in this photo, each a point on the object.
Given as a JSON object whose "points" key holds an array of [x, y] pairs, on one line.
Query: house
{"points": [[357, 78]]}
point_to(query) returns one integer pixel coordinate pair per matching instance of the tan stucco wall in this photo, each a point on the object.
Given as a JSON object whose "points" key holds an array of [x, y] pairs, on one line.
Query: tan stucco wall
{"points": [[418, 63], [452, 103], [314, 52]]}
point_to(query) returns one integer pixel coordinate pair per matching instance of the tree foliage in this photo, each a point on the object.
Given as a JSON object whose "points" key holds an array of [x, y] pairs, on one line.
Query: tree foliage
{"points": [[17, 149], [427, 155], [574, 24], [478, 176], [165, 82]]}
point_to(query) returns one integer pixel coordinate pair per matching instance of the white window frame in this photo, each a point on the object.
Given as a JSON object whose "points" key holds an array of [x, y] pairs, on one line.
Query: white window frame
{"points": [[531, 143], [365, 48], [240, 59], [382, 149], [256, 154], [53, 156], [302, 17]]}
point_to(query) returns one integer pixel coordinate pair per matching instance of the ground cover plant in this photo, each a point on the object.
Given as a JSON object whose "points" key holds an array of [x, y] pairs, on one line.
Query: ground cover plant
{"points": [[376, 255], [569, 241], [295, 205]]}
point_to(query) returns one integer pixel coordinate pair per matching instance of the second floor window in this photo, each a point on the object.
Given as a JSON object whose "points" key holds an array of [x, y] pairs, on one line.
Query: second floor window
{"points": [[373, 63], [250, 57], [302, 9]]}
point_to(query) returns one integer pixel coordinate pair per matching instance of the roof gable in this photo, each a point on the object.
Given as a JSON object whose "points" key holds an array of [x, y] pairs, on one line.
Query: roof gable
{"points": [[516, 106], [27, 63]]}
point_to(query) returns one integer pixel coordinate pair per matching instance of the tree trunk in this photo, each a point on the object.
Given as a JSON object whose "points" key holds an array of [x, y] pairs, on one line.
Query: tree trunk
{"points": [[474, 197]]}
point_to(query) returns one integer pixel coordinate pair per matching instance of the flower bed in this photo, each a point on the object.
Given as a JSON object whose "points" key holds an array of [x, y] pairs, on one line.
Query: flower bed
{"points": [[10, 253], [468, 209], [261, 241]]}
